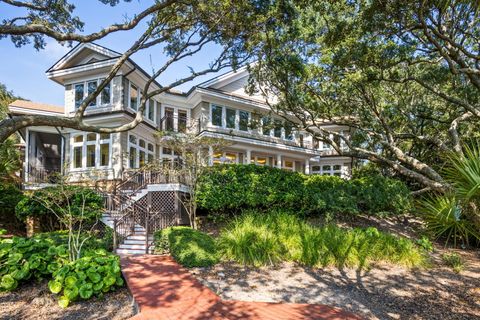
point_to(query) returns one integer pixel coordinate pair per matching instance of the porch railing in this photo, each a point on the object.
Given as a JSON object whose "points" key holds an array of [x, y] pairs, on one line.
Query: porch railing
{"points": [[42, 174]]}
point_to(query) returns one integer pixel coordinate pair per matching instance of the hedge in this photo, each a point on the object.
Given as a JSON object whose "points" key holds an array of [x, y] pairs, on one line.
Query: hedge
{"points": [[233, 188]]}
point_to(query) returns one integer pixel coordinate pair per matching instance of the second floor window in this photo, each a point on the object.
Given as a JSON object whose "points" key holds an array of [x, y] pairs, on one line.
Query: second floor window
{"points": [[217, 115], [83, 89], [243, 122], [230, 118], [134, 95]]}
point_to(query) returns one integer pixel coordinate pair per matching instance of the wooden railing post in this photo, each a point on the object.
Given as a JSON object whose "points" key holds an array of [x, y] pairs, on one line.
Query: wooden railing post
{"points": [[115, 240]]}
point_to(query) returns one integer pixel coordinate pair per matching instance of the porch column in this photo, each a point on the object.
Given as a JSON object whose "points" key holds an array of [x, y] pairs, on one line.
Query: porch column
{"points": [[248, 156], [307, 166], [279, 161], [210, 156]]}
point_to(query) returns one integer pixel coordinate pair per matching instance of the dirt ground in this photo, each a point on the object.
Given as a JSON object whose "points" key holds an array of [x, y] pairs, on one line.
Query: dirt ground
{"points": [[384, 292], [34, 301]]}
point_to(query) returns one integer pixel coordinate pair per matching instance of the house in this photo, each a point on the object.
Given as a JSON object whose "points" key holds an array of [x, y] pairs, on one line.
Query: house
{"points": [[139, 204]]}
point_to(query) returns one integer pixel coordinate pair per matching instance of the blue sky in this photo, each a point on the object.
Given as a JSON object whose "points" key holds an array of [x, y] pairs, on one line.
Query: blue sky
{"points": [[23, 69]]}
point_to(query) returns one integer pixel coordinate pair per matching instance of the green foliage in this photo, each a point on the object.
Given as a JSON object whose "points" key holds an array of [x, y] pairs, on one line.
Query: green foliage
{"points": [[232, 188], [10, 195], [69, 200], [46, 256], [265, 239], [454, 261], [425, 243], [189, 247], [10, 162]]}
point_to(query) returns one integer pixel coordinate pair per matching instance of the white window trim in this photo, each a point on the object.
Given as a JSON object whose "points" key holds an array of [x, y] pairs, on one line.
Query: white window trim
{"points": [[138, 149], [98, 99], [84, 145], [175, 115], [224, 118], [139, 94], [330, 172]]}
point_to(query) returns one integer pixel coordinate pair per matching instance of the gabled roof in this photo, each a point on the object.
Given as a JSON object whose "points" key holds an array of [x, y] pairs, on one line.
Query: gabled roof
{"points": [[225, 78], [81, 47], [34, 106]]}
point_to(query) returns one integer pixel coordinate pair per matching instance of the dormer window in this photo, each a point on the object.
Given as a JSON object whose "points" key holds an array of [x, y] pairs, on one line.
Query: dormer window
{"points": [[83, 89], [134, 95]]}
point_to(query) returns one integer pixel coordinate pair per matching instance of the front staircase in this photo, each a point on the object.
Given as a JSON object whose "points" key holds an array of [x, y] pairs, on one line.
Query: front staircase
{"points": [[135, 213]]}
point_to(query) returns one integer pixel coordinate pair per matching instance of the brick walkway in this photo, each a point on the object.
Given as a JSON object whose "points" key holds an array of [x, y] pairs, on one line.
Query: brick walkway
{"points": [[165, 290]]}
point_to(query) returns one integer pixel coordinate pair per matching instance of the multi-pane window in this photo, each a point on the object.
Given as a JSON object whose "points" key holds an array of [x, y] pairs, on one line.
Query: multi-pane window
{"points": [[277, 129], [266, 126], [90, 150], [82, 90], [225, 157], [169, 119], [288, 131], [328, 169], [231, 118], [151, 109], [217, 115], [140, 152], [134, 95]]}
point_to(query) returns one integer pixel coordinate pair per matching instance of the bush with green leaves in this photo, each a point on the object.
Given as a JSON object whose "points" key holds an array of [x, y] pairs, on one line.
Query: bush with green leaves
{"points": [[40, 203], [92, 275], [10, 195], [454, 261], [233, 188], [266, 239], [189, 247], [46, 255]]}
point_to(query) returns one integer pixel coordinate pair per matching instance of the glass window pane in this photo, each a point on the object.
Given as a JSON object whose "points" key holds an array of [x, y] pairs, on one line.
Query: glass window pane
{"points": [[288, 131], [79, 90], [337, 167], [104, 136], [315, 168], [231, 157], [105, 96], [141, 158], [288, 164], [217, 115], [141, 143], [91, 137], [326, 167], [92, 86], [91, 155], [231, 114], [182, 121], [338, 174], [151, 109], [78, 138], [133, 97], [169, 113], [150, 157], [150, 147], [261, 161], [166, 151], [77, 157], [243, 124], [266, 125], [133, 157], [277, 130], [104, 154], [132, 139]]}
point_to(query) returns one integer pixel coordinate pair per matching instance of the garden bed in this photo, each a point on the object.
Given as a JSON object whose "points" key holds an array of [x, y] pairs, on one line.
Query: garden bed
{"points": [[35, 301], [384, 292]]}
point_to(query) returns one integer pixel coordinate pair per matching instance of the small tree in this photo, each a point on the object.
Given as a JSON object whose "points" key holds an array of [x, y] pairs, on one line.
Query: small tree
{"points": [[77, 209], [193, 159]]}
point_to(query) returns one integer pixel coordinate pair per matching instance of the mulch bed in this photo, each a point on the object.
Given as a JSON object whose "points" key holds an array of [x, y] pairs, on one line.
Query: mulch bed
{"points": [[34, 301]]}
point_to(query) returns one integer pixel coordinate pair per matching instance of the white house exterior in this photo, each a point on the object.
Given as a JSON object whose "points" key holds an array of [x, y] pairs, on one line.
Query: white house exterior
{"points": [[218, 108]]}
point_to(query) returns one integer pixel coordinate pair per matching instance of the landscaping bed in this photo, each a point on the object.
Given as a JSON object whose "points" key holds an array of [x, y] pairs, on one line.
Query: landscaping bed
{"points": [[383, 292], [35, 301]]}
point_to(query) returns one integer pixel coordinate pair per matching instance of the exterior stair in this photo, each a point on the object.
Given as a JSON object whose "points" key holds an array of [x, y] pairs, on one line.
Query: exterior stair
{"points": [[133, 244]]}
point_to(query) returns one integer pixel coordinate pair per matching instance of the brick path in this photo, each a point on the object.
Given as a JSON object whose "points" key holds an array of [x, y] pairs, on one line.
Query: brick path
{"points": [[165, 290]]}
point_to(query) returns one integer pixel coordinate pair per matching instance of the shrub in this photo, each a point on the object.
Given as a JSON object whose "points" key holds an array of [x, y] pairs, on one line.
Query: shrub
{"points": [[35, 204], [233, 188], [256, 239], [46, 255], [10, 195], [189, 247]]}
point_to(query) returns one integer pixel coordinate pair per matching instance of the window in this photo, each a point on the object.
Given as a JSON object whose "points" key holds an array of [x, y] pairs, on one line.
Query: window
{"points": [[225, 157], [169, 114], [217, 115], [328, 170], [277, 130], [79, 93], [105, 97], [260, 160], [133, 97], [288, 131], [287, 164], [231, 115], [266, 126], [151, 109], [139, 153], [182, 121], [243, 122], [91, 87], [90, 150]]}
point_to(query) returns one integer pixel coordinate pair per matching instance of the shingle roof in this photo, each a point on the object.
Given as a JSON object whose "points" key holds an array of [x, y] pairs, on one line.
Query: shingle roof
{"points": [[36, 106]]}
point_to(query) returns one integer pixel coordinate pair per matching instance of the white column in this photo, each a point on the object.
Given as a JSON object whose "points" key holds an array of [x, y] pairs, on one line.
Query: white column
{"points": [[210, 156], [279, 161], [248, 156], [307, 166]]}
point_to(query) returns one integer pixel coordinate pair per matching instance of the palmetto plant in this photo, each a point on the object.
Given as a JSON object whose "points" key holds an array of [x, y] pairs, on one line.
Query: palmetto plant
{"points": [[456, 215]]}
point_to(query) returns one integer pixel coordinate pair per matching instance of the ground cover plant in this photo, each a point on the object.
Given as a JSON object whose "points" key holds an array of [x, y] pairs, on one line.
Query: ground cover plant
{"points": [[46, 256], [189, 247], [265, 239]]}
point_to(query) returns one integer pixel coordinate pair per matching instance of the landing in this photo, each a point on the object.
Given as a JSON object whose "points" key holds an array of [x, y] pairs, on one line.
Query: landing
{"points": [[165, 290]]}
